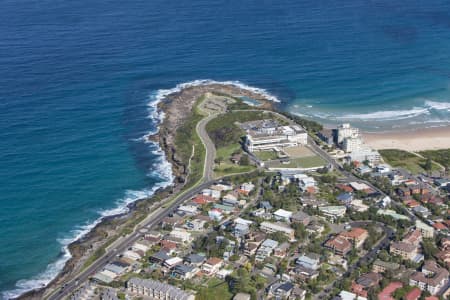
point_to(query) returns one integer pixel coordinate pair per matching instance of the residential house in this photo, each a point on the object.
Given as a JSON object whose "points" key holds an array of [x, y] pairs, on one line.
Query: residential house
{"points": [[306, 184], [369, 280], [141, 245], [345, 198], [281, 290], [194, 259], [300, 217], [168, 246], [172, 262], [159, 257], [171, 221], [356, 236], [298, 293], [270, 227], [282, 215], [203, 199], [404, 250], [380, 266], [250, 248], [333, 212], [190, 210], [304, 274], [195, 224], [426, 230], [282, 250], [229, 201], [266, 249], [184, 271], [265, 205], [339, 245], [247, 187], [215, 214], [309, 261], [388, 291], [240, 230], [345, 295], [211, 193], [133, 255], [413, 294], [422, 210], [182, 234], [212, 265]]}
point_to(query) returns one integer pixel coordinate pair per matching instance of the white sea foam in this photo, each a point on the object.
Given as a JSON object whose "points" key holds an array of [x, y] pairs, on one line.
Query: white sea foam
{"points": [[438, 105], [387, 115], [161, 169]]}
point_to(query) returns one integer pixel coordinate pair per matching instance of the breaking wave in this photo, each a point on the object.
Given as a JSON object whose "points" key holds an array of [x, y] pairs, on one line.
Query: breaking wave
{"points": [[162, 169], [428, 112]]}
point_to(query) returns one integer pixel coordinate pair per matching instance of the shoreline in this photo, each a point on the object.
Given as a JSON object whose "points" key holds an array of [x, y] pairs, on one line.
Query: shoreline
{"points": [[420, 139], [169, 109]]}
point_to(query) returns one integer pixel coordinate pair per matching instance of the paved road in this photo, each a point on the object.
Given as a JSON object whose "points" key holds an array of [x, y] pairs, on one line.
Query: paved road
{"points": [[367, 258], [208, 171], [159, 214]]}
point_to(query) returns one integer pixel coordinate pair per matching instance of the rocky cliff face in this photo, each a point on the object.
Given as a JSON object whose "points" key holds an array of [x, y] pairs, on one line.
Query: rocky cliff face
{"points": [[177, 108]]}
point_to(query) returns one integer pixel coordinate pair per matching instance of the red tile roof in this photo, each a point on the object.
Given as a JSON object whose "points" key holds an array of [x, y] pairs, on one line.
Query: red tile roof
{"points": [[345, 188], [354, 233], [386, 293], [213, 261], [439, 226], [203, 199], [411, 203], [414, 294]]}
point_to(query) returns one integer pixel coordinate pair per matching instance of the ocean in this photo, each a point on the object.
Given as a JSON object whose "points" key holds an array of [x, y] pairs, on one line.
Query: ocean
{"points": [[79, 81]]}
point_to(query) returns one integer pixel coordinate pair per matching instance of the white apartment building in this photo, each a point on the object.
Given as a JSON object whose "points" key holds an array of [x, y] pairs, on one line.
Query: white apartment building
{"points": [[365, 153], [346, 131], [432, 278], [278, 227], [157, 290], [352, 144], [260, 137]]}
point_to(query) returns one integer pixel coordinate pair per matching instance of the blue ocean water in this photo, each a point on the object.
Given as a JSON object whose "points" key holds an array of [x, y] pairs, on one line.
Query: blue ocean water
{"points": [[76, 78]]}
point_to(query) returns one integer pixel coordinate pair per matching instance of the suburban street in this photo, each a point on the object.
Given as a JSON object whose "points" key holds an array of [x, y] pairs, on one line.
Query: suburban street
{"points": [[367, 258]]}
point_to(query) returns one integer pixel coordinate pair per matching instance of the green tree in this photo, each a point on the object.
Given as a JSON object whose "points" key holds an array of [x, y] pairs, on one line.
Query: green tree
{"points": [[244, 161]]}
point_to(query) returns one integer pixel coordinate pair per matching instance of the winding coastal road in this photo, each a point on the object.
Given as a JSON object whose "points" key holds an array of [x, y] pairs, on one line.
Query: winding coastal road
{"points": [[169, 206], [154, 219], [208, 168]]}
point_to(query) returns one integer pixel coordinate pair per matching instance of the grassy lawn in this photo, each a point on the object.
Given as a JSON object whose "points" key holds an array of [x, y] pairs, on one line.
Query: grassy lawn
{"points": [[266, 155], [226, 167], [225, 152], [216, 289], [300, 162], [406, 160], [440, 156], [185, 138]]}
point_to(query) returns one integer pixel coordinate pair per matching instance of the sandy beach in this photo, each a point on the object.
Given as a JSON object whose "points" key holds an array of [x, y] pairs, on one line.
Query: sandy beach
{"points": [[413, 140]]}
